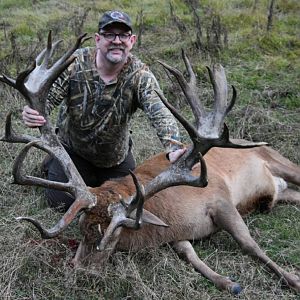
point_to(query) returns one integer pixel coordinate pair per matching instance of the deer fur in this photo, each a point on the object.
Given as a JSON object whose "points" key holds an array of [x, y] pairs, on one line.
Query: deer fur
{"points": [[240, 182]]}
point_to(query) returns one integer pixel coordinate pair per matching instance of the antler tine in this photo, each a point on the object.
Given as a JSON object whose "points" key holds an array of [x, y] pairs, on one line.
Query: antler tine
{"points": [[219, 83], [46, 54], [232, 101], [9, 81], [209, 124], [179, 173], [11, 137], [119, 219], [31, 180], [62, 224], [213, 126], [20, 82], [54, 46], [122, 212], [189, 68], [111, 237], [189, 89], [66, 59], [186, 124], [45, 234], [39, 59], [75, 186], [138, 201], [39, 78]]}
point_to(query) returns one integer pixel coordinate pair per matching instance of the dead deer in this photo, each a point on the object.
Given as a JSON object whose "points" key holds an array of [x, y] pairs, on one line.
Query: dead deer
{"points": [[163, 202]]}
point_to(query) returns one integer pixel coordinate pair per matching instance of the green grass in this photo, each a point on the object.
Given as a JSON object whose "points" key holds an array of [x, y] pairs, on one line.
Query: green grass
{"points": [[279, 226], [265, 69]]}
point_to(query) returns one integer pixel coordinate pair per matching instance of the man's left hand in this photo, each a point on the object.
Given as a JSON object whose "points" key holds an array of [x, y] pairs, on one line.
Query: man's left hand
{"points": [[175, 155]]}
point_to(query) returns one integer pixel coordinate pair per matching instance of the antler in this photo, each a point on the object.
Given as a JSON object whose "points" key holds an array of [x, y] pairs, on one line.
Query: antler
{"points": [[34, 84], [210, 131], [210, 124]]}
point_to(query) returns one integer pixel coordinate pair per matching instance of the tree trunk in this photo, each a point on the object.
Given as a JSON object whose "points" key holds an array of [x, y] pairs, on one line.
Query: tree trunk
{"points": [[270, 15]]}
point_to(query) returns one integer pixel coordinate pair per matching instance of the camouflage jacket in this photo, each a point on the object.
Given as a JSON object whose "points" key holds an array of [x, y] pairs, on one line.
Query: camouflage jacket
{"points": [[94, 117]]}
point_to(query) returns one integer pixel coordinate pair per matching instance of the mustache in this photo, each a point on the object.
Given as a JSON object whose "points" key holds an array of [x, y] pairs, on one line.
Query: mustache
{"points": [[116, 47]]}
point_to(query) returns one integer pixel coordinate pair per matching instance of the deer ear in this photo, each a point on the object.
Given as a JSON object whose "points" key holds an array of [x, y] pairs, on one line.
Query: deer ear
{"points": [[246, 144], [149, 218]]}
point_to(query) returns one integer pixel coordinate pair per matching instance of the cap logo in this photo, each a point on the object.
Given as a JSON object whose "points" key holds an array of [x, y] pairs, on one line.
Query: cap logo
{"points": [[114, 16], [117, 15]]}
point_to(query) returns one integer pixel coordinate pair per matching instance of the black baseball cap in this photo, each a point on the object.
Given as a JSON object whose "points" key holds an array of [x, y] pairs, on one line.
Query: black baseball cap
{"points": [[114, 16]]}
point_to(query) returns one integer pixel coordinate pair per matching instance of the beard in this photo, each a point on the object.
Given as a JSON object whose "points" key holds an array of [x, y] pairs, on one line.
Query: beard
{"points": [[113, 58]]}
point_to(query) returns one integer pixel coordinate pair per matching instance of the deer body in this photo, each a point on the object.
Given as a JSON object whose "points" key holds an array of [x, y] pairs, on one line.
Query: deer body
{"points": [[241, 177], [240, 182]]}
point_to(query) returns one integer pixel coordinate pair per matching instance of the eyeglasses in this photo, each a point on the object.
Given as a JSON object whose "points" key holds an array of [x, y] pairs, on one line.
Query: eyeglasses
{"points": [[111, 36]]}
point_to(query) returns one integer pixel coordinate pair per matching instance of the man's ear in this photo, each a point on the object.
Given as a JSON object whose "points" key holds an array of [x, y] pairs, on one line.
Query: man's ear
{"points": [[133, 39], [97, 37]]}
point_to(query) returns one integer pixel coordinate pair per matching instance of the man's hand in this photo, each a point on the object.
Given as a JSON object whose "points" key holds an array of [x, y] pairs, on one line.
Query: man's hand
{"points": [[174, 155], [32, 118]]}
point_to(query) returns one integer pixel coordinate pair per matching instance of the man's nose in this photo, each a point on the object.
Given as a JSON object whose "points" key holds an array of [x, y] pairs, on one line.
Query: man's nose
{"points": [[117, 40]]}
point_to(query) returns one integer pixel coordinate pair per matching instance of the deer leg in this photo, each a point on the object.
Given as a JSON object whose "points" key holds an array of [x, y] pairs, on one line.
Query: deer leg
{"points": [[227, 217], [185, 249], [289, 196]]}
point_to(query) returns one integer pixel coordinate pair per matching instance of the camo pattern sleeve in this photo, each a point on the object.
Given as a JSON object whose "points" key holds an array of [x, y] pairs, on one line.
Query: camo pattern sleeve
{"points": [[159, 115], [58, 91]]}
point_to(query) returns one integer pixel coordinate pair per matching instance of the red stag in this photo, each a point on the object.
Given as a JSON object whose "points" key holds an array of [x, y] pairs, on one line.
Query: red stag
{"points": [[163, 202]]}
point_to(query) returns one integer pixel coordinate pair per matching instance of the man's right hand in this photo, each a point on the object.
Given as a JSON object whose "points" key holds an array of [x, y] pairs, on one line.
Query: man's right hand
{"points": [[32, 118]]}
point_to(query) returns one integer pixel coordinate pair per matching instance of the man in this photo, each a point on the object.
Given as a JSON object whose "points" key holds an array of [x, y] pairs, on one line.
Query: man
{"points": [[99, 93]]}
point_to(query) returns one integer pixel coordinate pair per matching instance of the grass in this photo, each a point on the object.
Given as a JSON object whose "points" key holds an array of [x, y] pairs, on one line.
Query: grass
{"points": [[265, 69]]}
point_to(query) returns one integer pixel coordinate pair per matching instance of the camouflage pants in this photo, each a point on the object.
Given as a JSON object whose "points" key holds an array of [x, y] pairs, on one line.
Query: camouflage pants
{"points": [[92, 176]]}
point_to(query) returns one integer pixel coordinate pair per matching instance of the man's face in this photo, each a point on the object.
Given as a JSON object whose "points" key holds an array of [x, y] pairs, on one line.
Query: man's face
{"points": [[115, 42]]}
